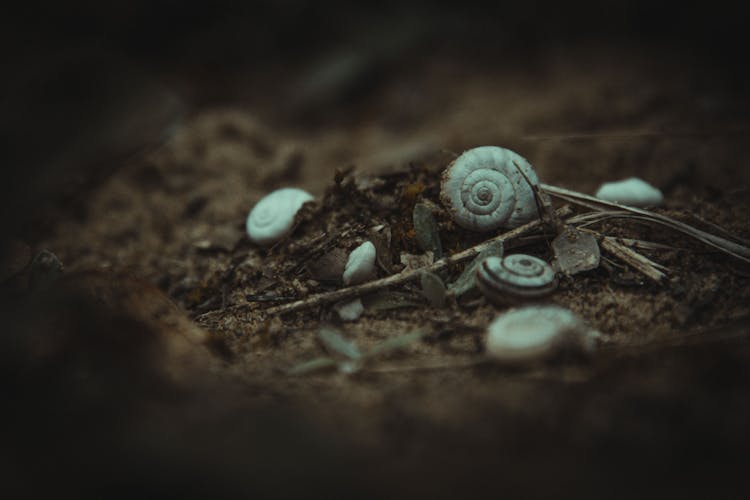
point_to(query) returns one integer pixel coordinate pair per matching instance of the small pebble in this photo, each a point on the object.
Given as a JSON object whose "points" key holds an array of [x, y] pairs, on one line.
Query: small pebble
{"points": [[633, 191]]}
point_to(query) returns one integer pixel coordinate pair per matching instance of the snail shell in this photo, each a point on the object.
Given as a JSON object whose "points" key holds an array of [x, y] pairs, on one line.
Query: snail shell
{"points": [[360, 265], [515, 276], [633, 191], [273, 216], [483, 189], [535, 332]]}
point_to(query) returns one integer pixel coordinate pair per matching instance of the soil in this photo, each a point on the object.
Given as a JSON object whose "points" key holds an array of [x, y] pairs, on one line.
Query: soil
{"points": [[157, 250]]}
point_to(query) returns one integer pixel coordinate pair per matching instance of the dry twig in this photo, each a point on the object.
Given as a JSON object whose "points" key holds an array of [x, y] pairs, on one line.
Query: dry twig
{"points": [[543, 203], [642, 264], [404, 277], [445, 365], [730, 247]]}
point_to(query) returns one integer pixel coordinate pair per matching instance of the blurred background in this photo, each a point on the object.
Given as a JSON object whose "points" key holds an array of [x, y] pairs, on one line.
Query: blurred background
{"points": [[86, 85], [257, 94]]}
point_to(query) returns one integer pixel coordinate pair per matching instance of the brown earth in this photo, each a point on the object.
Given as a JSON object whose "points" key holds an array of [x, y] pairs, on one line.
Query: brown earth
{"points": [[661, 404]]}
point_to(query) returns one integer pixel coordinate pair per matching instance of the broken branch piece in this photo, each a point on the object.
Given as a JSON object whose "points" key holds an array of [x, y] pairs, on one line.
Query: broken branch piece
{"points": [[730, 247], [642, 264], [404, 277]]}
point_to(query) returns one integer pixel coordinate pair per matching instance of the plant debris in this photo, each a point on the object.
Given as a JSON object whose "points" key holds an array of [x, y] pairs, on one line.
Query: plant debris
{"points": [[426, 229], [467, 280], [351, 357], [575, 251], [433, 289]]}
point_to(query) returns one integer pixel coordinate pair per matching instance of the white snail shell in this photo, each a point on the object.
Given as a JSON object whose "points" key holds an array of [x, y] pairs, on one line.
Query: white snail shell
{"points": [[360, 265], [515, 276], [273, 216], [633, 191], [537, 332], [351, 310], [483, 189]]}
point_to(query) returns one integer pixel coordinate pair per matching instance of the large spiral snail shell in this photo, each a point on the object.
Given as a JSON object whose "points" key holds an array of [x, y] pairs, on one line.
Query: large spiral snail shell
{"points": [[515, 276], [483, 189]]}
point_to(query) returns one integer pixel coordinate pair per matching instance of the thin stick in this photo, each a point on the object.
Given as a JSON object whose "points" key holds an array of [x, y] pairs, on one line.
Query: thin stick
{"points": [[543, 203], [633, 243], [404, 277], [597, 216], [735, 249], [642, 264], [633, 135], [448, 365], [721, 230], [645, 245]]}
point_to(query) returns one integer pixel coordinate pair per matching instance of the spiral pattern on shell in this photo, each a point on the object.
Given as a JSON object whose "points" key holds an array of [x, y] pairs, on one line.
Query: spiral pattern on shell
{"points": [[273, 216], [483, 189], [515, 276]]}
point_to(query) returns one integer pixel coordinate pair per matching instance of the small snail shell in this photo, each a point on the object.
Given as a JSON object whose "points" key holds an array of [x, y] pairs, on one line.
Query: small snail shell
{"points": [[537, 332], [515, 276], [483, 189], [273, 216], [360, 265], [633, 191], [351, 310]]}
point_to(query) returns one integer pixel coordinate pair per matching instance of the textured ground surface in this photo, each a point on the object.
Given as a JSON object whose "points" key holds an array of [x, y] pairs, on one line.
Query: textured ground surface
{"points": [[661, 403]]}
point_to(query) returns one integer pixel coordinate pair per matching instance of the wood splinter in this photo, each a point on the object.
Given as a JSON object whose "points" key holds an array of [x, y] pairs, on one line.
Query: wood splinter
{"points": [[642, 264]]}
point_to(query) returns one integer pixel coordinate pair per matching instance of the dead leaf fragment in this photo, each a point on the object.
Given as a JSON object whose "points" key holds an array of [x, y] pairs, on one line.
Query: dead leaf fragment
{"points": [[329, 267], [426, 229], [575, 251], [413, 262], [433, 289]]}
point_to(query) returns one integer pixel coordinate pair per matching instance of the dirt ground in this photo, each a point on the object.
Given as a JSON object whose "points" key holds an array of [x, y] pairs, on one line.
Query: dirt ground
{"points": [[153, 358]]}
